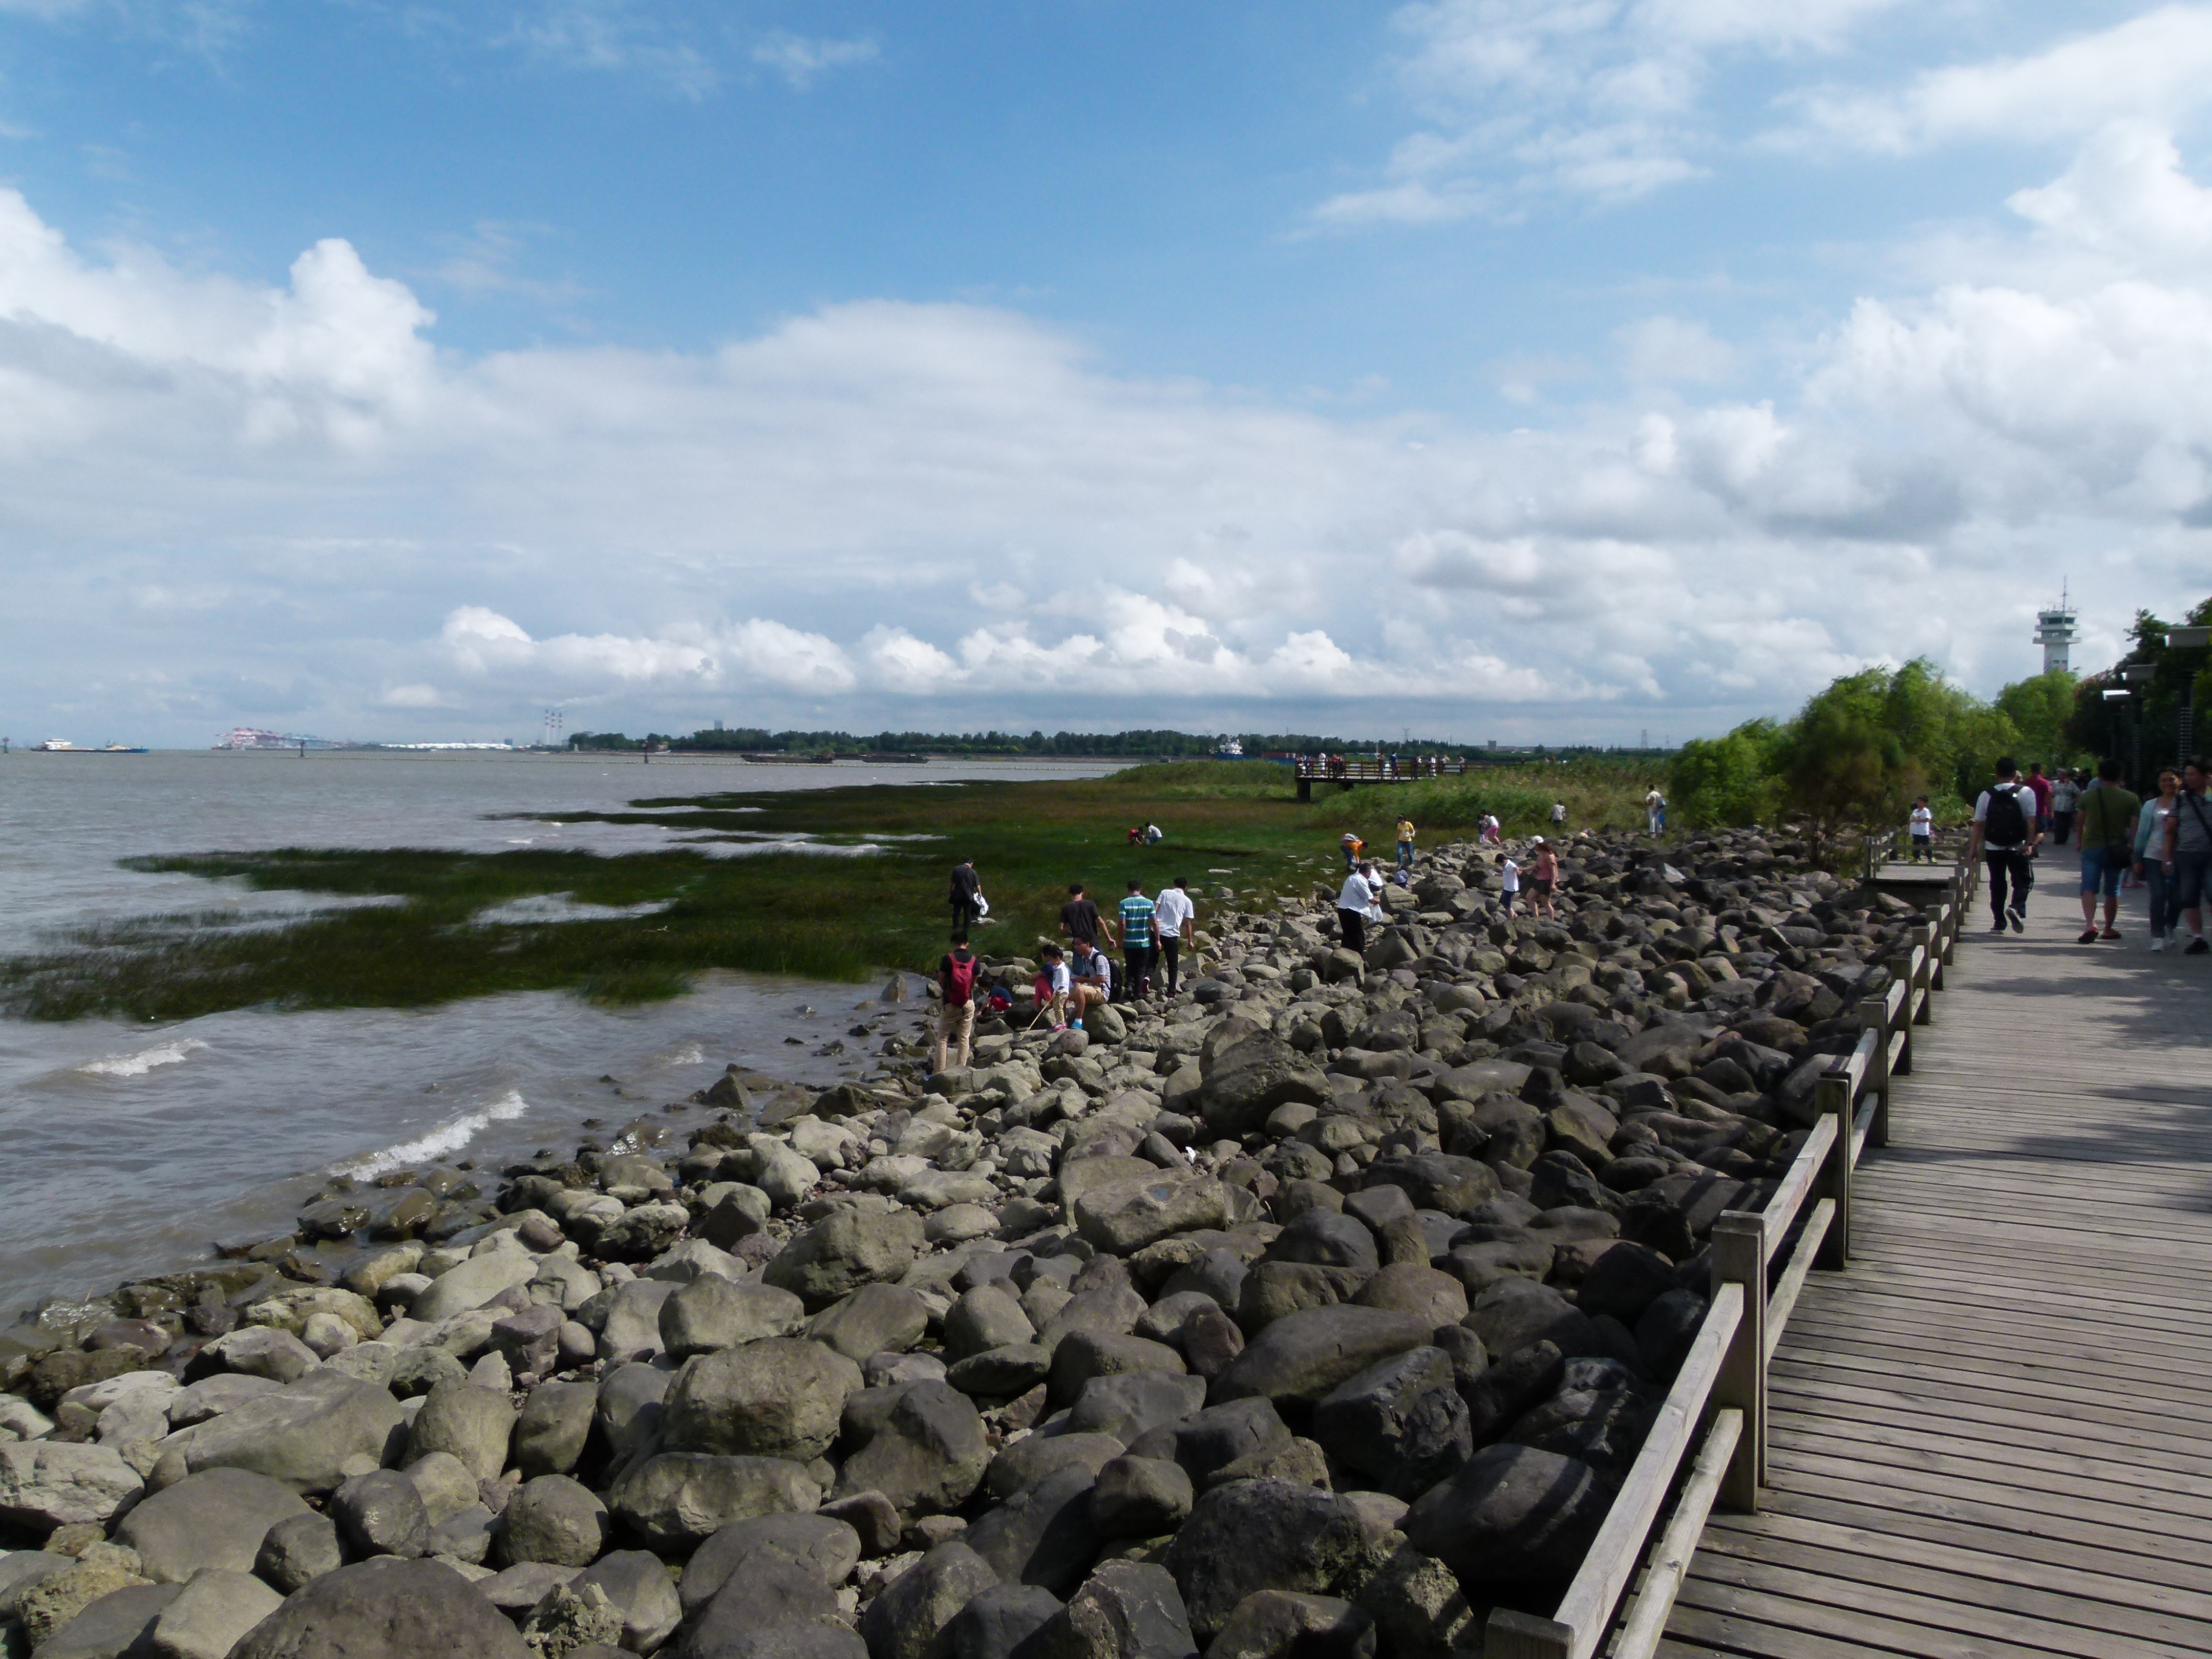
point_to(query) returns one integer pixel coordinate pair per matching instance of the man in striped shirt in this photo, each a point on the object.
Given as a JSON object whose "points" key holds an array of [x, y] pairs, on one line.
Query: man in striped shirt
{"points": [[1137, 941]]}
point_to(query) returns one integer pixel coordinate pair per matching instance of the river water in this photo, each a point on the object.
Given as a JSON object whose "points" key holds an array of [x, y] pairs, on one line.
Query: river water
{"points": [[126, 1149]]}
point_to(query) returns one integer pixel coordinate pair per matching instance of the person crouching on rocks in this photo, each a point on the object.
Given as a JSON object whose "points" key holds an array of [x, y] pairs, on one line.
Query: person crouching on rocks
{"points": [[955, 1020], [1361, 891], [1092, 982]]}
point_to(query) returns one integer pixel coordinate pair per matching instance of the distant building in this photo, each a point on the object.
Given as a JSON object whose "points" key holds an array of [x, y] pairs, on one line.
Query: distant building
{"points": [[2056, 630]]}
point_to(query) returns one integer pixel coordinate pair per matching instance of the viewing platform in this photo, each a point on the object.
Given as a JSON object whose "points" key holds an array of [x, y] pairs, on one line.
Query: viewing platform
{"points": [[1351, 771]]}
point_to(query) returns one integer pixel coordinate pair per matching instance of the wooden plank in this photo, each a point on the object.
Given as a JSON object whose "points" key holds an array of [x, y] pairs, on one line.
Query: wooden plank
{"points": [[1640, 1632]]}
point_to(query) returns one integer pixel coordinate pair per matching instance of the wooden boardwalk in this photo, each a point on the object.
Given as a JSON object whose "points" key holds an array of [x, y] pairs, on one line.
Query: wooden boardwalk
{"points": [[1992, 1434]]}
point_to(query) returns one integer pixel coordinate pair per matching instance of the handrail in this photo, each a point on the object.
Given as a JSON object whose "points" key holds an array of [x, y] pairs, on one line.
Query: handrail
{"points": [[1722, 1385]]}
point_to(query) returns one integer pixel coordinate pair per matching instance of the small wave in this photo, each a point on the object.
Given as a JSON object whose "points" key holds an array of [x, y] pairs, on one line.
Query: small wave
{"points": [[690, 1055], [537, 908], [137, 1065], [441, 1142]]}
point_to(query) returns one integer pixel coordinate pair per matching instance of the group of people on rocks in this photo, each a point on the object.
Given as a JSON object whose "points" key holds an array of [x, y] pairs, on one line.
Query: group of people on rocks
{"points": [[2163, 844]]}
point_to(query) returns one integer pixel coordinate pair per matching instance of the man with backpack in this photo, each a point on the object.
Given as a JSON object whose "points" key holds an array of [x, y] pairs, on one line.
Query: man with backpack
{"points": [[2005, 834], [956, 980], [2106, 817]]}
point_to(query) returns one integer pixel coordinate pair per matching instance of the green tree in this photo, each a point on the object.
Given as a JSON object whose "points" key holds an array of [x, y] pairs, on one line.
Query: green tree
{"points": [[2041, 710], [1845, 763], [1725, 780]]}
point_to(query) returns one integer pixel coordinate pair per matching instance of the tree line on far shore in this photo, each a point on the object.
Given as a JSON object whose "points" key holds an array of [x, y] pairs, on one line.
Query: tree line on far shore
{"points": [[1859, 753], [1106, 746]]}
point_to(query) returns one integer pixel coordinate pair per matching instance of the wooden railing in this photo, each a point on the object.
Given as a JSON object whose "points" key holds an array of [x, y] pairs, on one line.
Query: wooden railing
{"points": [[1707, 1449]]}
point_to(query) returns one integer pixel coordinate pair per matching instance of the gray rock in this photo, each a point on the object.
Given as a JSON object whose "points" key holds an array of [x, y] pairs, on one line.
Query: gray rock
{"points": [[871, 1320], [1274, 1624], [476, 1425], [1217, 1436], [629, 1325], [1023, 1464], [1437, 1181], [210, 1614], [776, 1609], [552, 1519], [45, 1484], [418, 1370], [382, 1513], [447, 1485], [407, 1610], [1042, 1535], [928, 1457], [1139, 1497], [521, 1587], [213, 1520], [212, 1396], [1250, 1535], [1400, 1423], [1419, 1606], [473, 1282], [676, 1500], [530, 1341], [1249, 1079], [909, 1618], [464, 1535], [1416, 1288], [567, 1620], [636, 1586], [1300, 1358], [555, 1425], [117, 1624], [1133, 1403], [641, 1234], [312, 1435], [872, 1517], [1322, 1238], [21, 1569], [1209, 1341], [1082, 1356], [711, 1313], [1516, 1312], [1126, 1610], [988, 1317], [778, 1397], [1124, 1217], [844, 1250], [1624, 1282], [999, 1373], [1514, 1516], [258, 1350], [1001, 1622], [824, 1545], [631, 1407], [298, 1551]]}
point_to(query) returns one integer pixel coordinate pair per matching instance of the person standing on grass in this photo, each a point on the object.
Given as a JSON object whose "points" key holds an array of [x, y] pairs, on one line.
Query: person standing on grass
{"points": [[1352, 904], [2004, 834], [1405, 833], [955, 981], [2041, 785], [2108, 845], [1173, 915], [1137, 940], [2188, 853], [1559, 818], [967, 888], [2064, 793], [2154, 827]]}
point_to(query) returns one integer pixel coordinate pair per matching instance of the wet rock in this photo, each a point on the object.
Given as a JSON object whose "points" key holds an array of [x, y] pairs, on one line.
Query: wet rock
{"points": [[410, 1610]]}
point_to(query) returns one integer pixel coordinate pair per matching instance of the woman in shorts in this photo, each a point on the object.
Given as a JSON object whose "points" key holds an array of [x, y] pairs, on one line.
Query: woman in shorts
{"points": [[1543, 878]]}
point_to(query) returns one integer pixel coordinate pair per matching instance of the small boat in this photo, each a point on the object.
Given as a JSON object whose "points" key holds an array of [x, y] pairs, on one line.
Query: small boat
{"points": [[1228, 749]]}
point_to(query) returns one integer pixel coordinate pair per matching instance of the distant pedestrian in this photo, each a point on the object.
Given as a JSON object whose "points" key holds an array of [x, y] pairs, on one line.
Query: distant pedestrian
{"points": [[1079, 919], [1509, 875], [1493, 833], [1922, 824], [956, 981], [2064, 793], [2042, 786], [1559, 818], [1052, 988], [1353, 846], [2005, 834], [2189, 854], [1173, 915], [1546, 879], [2154, 827], [1091, 978], [2108, 845], [967, 889], [1405, 833], [1654, 810], [1137, 941], [1353, 904]]}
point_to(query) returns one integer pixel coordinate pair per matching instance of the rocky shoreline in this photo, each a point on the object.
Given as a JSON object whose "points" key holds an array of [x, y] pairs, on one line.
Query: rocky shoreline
{"points": [[1322, 1308]]}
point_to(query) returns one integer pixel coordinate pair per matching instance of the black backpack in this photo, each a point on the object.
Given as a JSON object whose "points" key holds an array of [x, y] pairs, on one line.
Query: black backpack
{"points": [[2006, 824]]}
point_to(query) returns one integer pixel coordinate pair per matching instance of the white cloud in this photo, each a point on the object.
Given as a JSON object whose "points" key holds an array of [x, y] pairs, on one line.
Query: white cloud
{"points": [[801, 61], [2154, 67], [281, 498]]}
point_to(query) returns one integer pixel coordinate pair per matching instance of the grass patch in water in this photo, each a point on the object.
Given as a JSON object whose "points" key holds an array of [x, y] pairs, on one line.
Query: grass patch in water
{"points": [[810, 914]]}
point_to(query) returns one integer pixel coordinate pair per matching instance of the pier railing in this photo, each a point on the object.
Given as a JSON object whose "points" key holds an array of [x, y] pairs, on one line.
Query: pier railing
{"points": [[1707, 1449]]}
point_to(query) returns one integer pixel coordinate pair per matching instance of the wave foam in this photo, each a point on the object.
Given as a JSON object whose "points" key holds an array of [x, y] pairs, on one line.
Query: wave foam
{"points": [[137, 1065], [441, 1142]]}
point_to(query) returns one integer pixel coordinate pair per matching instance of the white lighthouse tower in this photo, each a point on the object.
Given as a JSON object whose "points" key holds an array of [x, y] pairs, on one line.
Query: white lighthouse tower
{"points": [[2056, 630]]}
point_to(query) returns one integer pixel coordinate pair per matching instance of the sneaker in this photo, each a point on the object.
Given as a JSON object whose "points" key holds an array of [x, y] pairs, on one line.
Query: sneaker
{"points": [[1996, 927], [2194, 947], [2157, 941], [2088, 936], [2019, 919]]}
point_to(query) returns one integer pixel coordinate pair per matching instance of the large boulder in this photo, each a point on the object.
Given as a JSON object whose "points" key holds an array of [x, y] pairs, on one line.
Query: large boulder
{"points": [[778, 1397], [1437, 1181], [874, 1319], [1400, 1423], [776, 1609], [555, 1520], [1514, 1312], [45, 1484], [1126, 1610], [1249, 1535], [636, 1586], [1299, 1358], [825, 1544], [1513, 1518], [677, 1500], [409, 1610], [908, 1621], [473, 1282], [216, 1519], [1250, 1078], [928, 1456], [1274, 1624], [711, 1313], [1125, 1216], [211, 1614], [848, 1248], [382, 1513], [1000, 1622], [556, 1424], [475, 1425], [314, 1435], [1216, 1438], [1043, 1535]]}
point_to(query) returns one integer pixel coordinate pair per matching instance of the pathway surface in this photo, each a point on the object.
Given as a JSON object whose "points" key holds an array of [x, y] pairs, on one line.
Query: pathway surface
{"points": [[1992, 1435]]}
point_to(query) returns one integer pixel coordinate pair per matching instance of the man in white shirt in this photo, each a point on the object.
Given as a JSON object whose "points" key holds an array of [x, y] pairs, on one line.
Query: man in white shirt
{"points": [[1173, 917], [1654, 810], [1361, 890], [1509, 875], [2064, 793]]}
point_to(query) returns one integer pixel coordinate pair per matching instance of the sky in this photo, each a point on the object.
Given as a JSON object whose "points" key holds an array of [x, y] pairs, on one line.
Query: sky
{"points": [[1555, 370]]}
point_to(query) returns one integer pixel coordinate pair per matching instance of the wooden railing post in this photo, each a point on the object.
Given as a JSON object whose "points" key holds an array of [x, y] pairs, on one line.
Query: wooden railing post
{"points": [[1875, 1012], [1511, 1635], [1923, 939], [1740, 1258], [1833, 1094]]}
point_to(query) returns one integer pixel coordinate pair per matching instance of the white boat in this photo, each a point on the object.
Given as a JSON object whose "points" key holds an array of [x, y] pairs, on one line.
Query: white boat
{"points": [[1228, 749], [57, 746]]}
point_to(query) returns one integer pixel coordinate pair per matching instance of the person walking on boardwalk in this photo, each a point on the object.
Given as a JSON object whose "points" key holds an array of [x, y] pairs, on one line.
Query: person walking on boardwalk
{"points": [[2004, 834], [2064, 793], [1405, 833], [1173, 915], [1358, 896], [956, 1018], [967, 888], [1136, 912], [2041, 787], [2188, 853], [2108, 845], [2153, 826]]}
